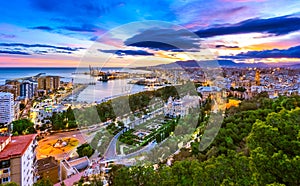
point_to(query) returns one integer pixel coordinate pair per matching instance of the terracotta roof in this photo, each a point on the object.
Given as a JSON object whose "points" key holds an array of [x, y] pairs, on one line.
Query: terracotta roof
{"points": [[17, 146], [3, 138]]}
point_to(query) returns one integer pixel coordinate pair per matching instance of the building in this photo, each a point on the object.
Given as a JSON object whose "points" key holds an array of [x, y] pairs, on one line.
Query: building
{"points": [[209, 91], [10, 89], [173, 108], [27, 90], [48, 83], [17, 159], [14, 87], [41, 83], [7, 111], [16, 109], [69, 168], [180, 107], [48, 168], [257, 78]]}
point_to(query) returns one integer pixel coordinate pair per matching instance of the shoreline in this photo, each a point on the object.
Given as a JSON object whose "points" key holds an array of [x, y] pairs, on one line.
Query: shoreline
{"points": [[75, 92], [109, 98]]}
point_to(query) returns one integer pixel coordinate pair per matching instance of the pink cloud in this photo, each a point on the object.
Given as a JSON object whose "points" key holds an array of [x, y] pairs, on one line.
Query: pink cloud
{"points": [[109, 40], [218, 13], [242, 1], [30, 61]]}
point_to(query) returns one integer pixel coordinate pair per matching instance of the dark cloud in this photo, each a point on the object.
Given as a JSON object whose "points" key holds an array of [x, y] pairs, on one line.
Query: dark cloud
{"points": [[94, 38], [40, 46], [277, 26], [236, 9], [229, 47], [64, 52], [41, 52], [128, 52], [164, 39], [154, 45], [78, 10], [184, 50], [45, 28], [40, 49], [293, 52], [14, 52], [7, 36], [83, 28]]}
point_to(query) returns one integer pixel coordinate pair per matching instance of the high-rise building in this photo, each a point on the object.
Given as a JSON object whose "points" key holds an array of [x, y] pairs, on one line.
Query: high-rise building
{"points": [[48, 83], [56, 82], [27, 90], [18, 159], [6, 108], [42, 83], [12, 86]]}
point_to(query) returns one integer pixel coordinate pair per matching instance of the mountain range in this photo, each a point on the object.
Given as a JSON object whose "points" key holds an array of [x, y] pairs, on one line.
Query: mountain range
{"points": [[224, 63]]}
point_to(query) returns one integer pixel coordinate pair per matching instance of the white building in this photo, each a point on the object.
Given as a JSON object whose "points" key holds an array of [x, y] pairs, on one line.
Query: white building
{"points": [[69, 168], [207, 91], [180, 107], [7, 110], [173, 108]]}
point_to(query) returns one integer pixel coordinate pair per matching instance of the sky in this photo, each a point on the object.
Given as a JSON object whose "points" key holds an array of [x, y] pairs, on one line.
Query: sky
{"points": [[118, 33]]}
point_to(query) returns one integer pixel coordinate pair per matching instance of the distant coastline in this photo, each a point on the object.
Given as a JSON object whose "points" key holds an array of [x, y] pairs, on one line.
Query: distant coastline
{"points": [[65, 72]]}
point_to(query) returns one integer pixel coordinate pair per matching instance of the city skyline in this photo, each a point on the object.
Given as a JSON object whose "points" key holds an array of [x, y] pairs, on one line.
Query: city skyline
{"points": [[65, 33]]}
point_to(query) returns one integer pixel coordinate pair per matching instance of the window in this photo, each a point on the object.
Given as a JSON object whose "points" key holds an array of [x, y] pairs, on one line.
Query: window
{"points": [[5, 170], [4, 164], [5, 179]]}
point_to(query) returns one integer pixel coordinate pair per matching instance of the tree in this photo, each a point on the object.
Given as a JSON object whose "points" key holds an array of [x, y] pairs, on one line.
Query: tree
{"points": [[85, 150], [70, 114], [57, 121], [43, 182], [9, 184], [22, 106], [23, 126], [120, 124], [275, 148]]}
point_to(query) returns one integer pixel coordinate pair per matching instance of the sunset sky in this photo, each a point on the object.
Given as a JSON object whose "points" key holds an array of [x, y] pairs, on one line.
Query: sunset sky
{"points": [[142, 33]]}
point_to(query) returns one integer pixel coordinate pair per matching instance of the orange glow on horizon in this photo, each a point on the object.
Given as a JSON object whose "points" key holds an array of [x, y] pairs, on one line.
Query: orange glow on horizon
{"points": [[270, 46], [6, 61]]}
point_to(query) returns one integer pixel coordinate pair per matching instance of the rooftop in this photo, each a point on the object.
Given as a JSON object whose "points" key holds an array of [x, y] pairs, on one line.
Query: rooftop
{"points": [[17, 146], [78, 161], [3, 139], [70, 181], [46, 163], [5, 94]]}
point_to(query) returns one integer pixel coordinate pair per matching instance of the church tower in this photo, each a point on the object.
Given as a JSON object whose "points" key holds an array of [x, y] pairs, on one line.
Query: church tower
{"points": [[257, 78]]}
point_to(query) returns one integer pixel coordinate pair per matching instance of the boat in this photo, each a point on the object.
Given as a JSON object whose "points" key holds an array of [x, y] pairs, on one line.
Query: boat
{"points": [[103, 78]]}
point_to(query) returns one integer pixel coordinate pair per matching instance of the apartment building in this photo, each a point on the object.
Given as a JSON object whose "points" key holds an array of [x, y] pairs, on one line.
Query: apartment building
{"points": [[17, 159]]}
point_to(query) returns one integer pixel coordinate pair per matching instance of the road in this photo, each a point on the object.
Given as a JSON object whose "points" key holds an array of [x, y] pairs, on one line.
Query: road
{"points": [[111, 151], [147, 148], [86, 136], [24, 113]]}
